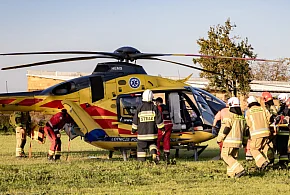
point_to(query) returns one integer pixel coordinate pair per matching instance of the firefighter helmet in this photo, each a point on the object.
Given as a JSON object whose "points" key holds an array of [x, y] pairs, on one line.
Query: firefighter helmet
{"points": [[234, 102], [147, 96], [17, 114], [266, 96], [283, 97], [251, 99]]}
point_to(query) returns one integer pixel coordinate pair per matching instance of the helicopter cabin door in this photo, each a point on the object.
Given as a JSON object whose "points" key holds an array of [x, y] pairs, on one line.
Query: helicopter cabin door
{"points": [[183, 112], [175, 110]]}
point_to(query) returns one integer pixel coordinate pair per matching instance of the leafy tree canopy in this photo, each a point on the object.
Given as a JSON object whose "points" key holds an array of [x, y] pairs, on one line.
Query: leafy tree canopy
{"points": [[278, 71], [237, 73]]}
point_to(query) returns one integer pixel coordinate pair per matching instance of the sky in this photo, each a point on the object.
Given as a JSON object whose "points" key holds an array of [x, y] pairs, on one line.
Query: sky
{"points": [[151, 26]]}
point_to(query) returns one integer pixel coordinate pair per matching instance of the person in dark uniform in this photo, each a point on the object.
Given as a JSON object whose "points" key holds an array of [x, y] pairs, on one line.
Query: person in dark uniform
{"points": [[146, 121]]}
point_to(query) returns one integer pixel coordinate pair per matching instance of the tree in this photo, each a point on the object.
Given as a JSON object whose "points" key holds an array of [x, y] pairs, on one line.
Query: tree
{"points": [[237, 74], [278, 71]]}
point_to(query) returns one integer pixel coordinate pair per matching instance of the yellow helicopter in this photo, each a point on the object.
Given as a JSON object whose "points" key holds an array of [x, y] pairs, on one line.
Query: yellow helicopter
{"points": [[103, 104]]}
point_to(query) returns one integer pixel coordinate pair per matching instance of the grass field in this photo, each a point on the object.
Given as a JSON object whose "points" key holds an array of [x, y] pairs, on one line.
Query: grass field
{"points": [[81, 174]]}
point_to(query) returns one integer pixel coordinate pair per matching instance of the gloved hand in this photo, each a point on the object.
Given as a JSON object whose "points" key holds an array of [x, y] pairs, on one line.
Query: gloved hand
{"points": [[214, 130], [134, 131], [244, 145], [162, 130]]}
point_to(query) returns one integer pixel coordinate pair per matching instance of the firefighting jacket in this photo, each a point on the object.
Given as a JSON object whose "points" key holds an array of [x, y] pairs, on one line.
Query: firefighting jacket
{"points": [[258, 120], [233, 130], [58, 120], [147, 120]]}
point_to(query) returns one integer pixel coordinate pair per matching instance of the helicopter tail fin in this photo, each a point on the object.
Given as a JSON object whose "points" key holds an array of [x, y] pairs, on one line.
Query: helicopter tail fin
{"points": [[185, 79]]}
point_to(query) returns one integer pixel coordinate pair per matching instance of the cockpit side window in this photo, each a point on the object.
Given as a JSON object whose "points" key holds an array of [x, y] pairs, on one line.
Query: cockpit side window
{"points": [[127, 106], [213, 102], [65, 88]]}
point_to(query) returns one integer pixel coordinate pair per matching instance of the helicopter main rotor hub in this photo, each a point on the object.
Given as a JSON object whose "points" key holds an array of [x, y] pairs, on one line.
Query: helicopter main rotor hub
{"points": [[126, 52]]}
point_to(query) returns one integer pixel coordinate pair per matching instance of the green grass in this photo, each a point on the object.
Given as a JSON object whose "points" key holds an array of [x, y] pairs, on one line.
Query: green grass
{"points": [[80, 174]]}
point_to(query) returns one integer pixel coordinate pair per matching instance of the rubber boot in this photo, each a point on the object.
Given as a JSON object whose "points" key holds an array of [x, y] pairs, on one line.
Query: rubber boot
{"points": [[167, 157], [50, 157], [155, 159], [57, 157]]}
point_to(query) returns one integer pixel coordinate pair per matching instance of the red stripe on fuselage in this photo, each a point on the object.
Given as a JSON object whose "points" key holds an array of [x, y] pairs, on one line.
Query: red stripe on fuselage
{"points": [[29, 102], [106, 123], [125, 131], [53, 104], [6, 101], [97, 111]]}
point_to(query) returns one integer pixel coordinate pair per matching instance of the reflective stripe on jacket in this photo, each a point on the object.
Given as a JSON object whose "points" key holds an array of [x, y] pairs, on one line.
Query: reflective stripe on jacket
{"points": [[237, 134]]}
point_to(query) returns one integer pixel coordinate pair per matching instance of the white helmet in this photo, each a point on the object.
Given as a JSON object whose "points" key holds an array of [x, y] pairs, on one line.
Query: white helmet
{"points": [[147, 96], [251, 99], [234, 102], [283, 97]]}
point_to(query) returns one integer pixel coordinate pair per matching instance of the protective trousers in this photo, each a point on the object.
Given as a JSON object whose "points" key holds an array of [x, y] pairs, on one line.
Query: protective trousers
{"points": [[55, 146], [166, 141], [229, 155], [249, 156], [143, 145], [259, 148], [282, 146], [20, 141]]}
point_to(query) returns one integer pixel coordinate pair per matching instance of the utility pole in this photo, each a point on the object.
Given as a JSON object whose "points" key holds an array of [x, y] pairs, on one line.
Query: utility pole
{"points": [[6, 87]]}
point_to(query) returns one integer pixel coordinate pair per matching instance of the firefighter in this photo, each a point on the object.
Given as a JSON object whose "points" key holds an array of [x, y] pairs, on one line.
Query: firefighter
{"points": [[269, 105], [52, 130], [233, 134], [165, 135], [21, 121], [146, 121], [258, 120], [283, 97], [217, 119], [282, 136]]}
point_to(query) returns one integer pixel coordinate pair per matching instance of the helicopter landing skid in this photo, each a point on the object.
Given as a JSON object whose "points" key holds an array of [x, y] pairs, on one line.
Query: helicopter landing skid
{"points": [[197, 150]]}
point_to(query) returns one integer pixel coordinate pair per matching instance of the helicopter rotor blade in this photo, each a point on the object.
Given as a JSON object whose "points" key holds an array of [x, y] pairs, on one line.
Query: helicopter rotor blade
{"points": [[186, 65], [53, 62], [113, 55], [148, 55]]}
